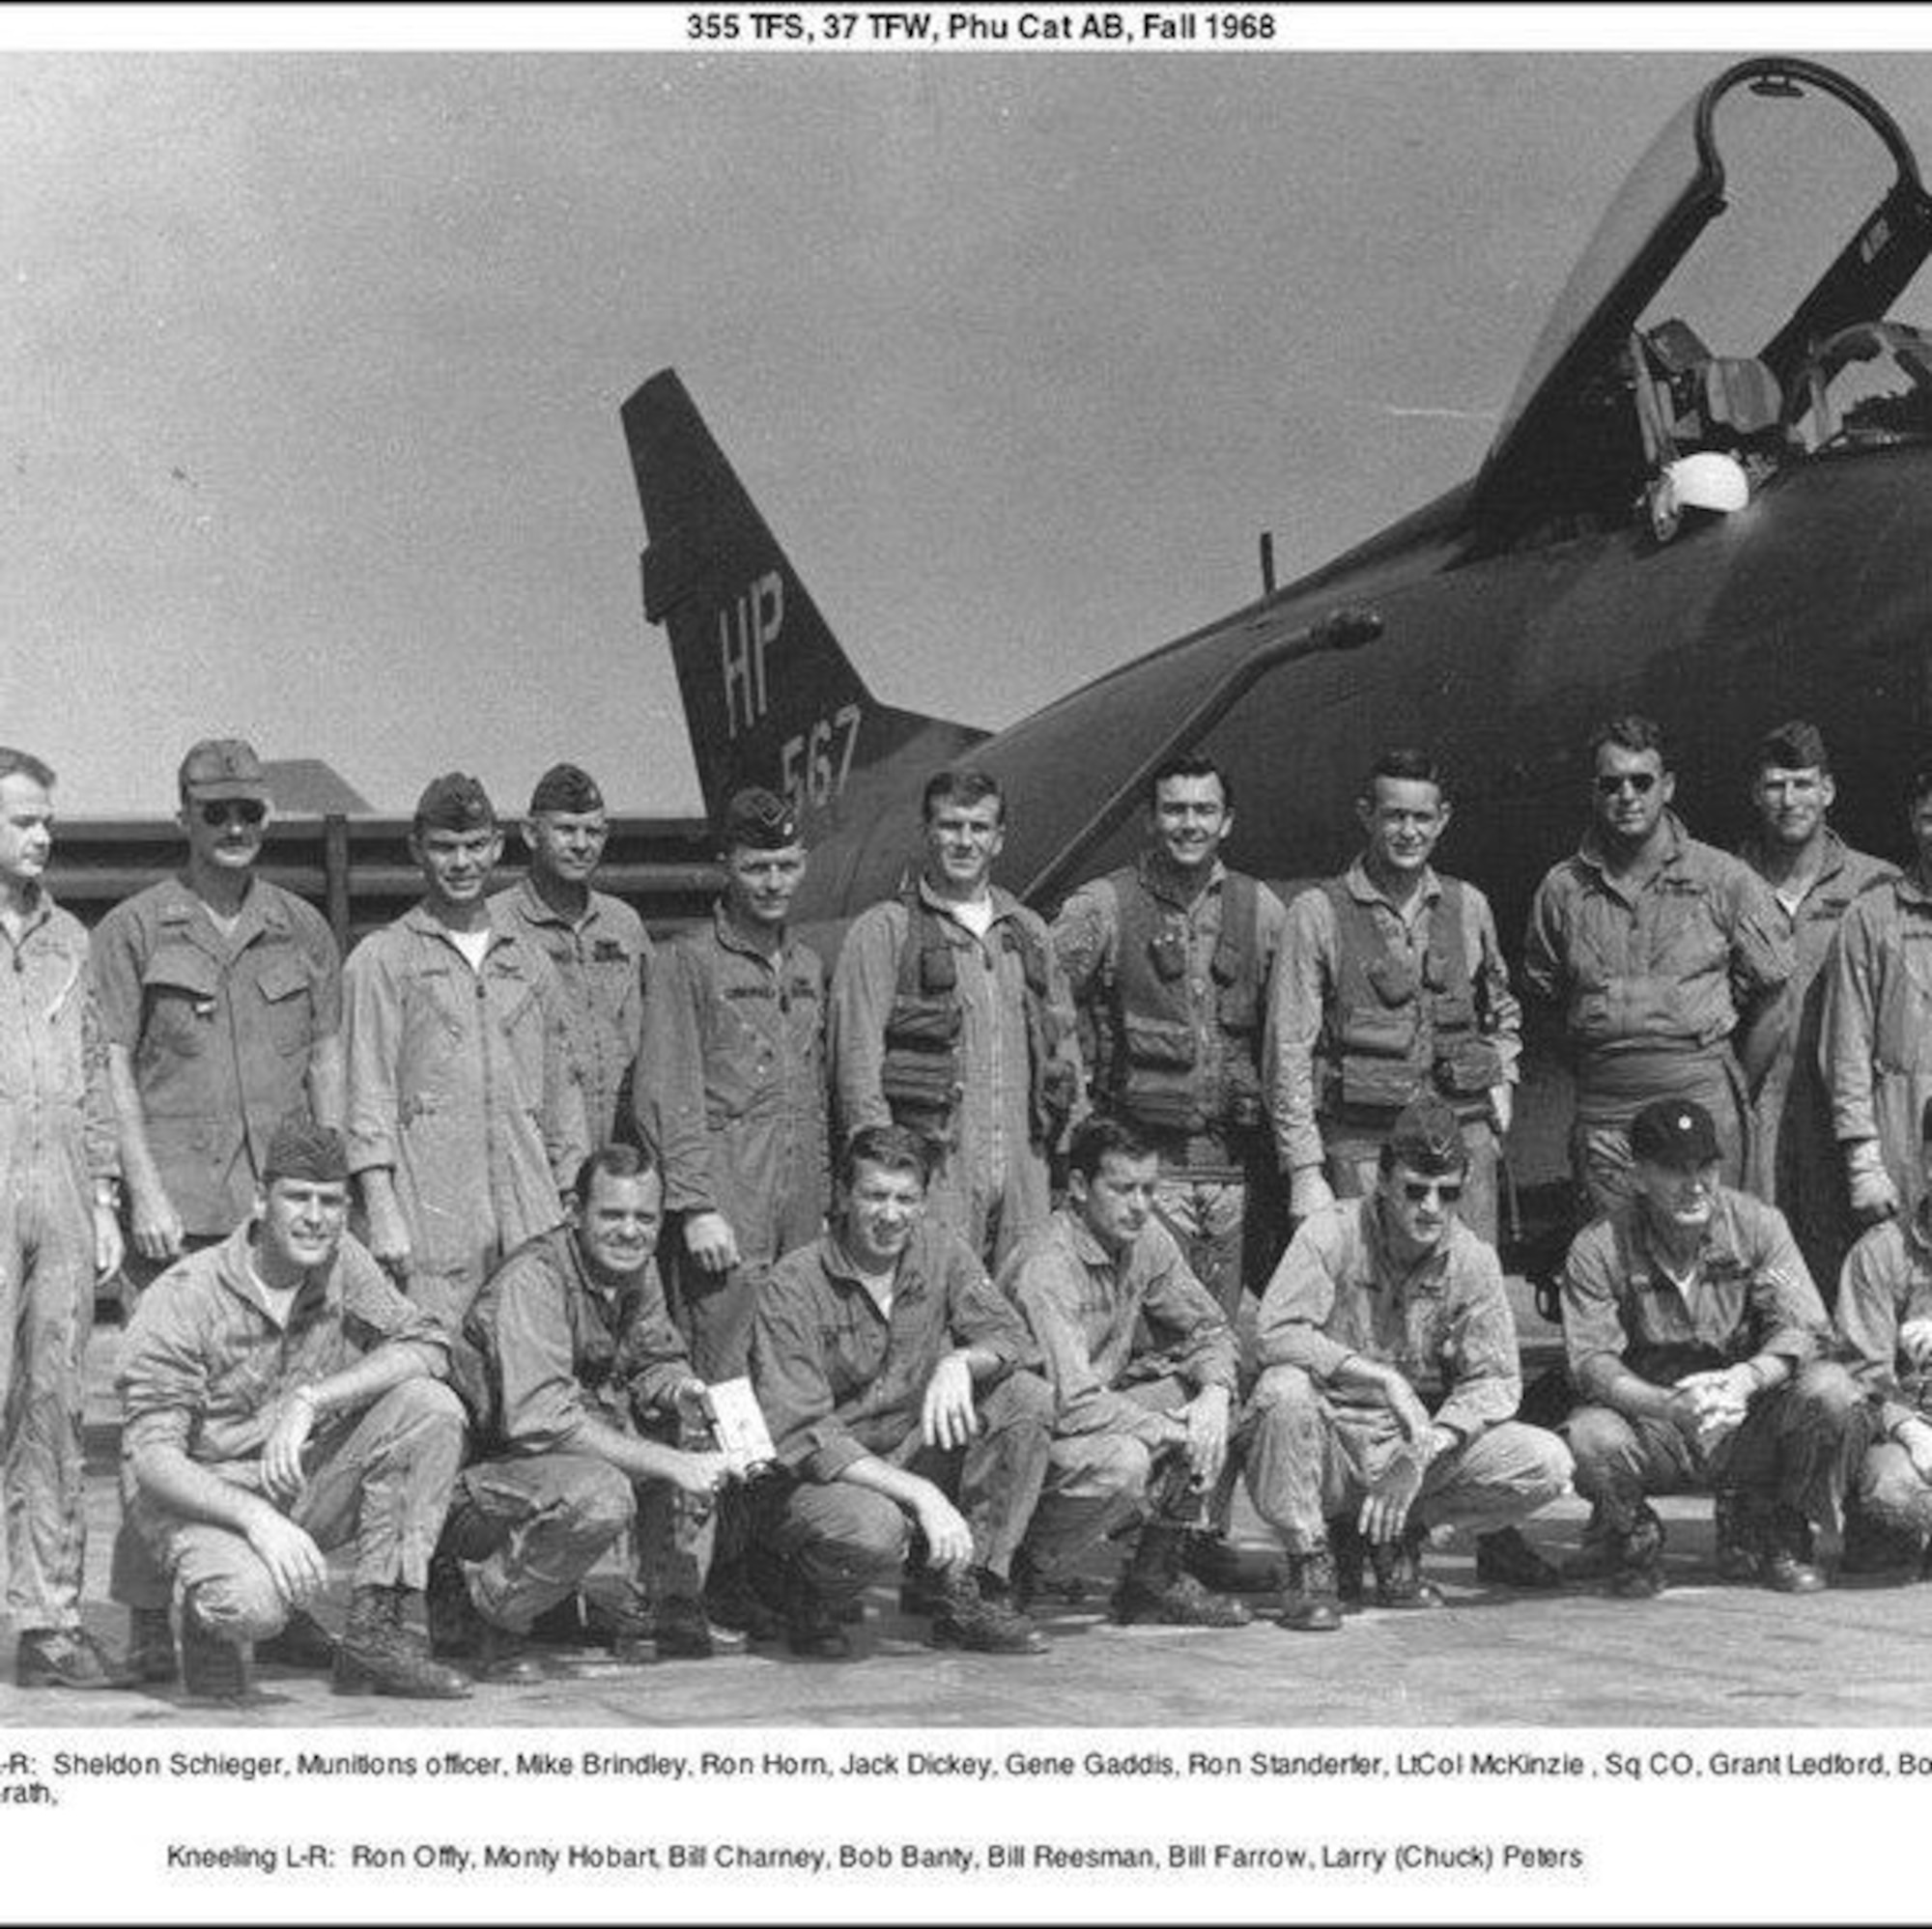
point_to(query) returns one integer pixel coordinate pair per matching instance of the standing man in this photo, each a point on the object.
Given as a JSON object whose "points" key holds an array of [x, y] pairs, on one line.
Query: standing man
{"points": [[57, 1235], [466, 1122], [949, 1015], [1391, 984], [732, 1109], [1388, 1406], [1169, 962], [1142, 1361], [1877, 1028], [579, 1375], [279, 1399], [596, 943], [1815, 876], [1697, 1343], [887, 1368], [1663, 954], [222, 1002]]}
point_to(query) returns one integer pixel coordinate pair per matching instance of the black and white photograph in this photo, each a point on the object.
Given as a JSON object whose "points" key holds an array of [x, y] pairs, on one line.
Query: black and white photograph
{"points": [[973, 959]]}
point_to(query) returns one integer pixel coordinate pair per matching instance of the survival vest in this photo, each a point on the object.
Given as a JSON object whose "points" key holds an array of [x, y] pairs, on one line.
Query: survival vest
{"points": [[1394, 1029], [1150, 1066], [921, 1077]]}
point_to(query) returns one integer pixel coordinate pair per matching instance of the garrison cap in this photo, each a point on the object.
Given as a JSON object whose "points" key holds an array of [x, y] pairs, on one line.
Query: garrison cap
{"points": [[1427, 1137], [566, 788], [222, 767], [301, 1148], [1674, 1132], [455, 802], [757, 820]]}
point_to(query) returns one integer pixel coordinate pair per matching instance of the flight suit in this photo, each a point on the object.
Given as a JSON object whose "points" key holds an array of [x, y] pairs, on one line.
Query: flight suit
{"points": [[1124, 1341], [1888, 1281], [1184, 1068], [1876, 1033], [57, 1137], [603, 961], [1652, 974], [991, 1183], [1795, 1162], [1314, 1123], [220, 1030], [1318, 1447], [460, 1081], [732, 1108], [205, 1369], [546, 1347], [840, 1381]]}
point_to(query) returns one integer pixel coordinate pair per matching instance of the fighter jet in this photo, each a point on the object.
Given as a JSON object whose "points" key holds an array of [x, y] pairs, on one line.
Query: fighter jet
{"points": [[1710, 500]]}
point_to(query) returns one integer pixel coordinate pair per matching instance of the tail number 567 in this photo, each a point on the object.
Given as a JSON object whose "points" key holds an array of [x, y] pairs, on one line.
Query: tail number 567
{"points": [[814, 764]]}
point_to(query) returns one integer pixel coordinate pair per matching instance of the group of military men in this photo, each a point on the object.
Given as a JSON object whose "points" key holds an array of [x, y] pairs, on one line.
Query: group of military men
{"points": [[980, 1218]]}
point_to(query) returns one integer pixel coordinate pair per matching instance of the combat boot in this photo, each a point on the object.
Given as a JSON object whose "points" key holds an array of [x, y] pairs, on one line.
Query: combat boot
{"points": [[1310, 1602], [151, 1656], [1505, 1559], [213, 1667], [1154, 1588], [1599, 1555], [1397, 1572], [376, 1657], [1787, 1565], [974, 1613], [65, 1657], [1876, 1555], [1216, 1562], [1639, 1556], [1352, 1559], [687, 1632], [1738, 1527], [731, 1602]]}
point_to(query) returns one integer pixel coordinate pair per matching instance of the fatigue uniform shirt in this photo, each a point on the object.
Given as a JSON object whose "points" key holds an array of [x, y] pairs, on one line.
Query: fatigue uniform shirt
{"points": [[559, 1346], [839, 1380], [203, 1367], [1749, 1294], [990, 1172], [1653, 969], [1085, 941], [1442, 1321], [460, 1081], [603, 961], [1888, 1281], [1309, 970], [220, 1030], [1085, 1306], [1877, 1026], [732, 1098]]}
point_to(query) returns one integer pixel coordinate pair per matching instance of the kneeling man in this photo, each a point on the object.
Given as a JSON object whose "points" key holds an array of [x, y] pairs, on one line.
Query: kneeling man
{"points": [[568, 1362], [279, 1398], [886, 1366], [1142, 1360], [1697, 1342], [1387, 1402]]}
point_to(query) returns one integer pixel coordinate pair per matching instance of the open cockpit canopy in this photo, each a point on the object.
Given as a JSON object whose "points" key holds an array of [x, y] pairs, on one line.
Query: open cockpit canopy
{"points": [[1763, 334]]}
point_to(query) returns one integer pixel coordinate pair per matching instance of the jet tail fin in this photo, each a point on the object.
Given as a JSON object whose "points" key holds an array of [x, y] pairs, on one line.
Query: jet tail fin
{"points": [[769, 696]]}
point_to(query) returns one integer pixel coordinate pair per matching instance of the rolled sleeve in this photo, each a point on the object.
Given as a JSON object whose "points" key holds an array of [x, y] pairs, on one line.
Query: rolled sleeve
{"points": [[1299, 1301]]}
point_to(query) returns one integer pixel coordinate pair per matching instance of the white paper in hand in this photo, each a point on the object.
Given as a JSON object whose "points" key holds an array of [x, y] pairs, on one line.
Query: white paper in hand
{"points": [[743, 1437]]}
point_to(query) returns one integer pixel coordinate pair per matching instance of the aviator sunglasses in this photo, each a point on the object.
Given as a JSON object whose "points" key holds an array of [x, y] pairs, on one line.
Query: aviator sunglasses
{"points": [[244, 810], [1448, 1190], [1642, 782]]}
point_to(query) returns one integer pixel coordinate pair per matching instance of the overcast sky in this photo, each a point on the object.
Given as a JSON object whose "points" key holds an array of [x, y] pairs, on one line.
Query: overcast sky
{"points": [[312, 365]]}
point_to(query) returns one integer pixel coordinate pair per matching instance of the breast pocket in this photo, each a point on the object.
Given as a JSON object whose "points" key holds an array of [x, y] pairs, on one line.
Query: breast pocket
{"points": [[181, 997], [287, 1007]]}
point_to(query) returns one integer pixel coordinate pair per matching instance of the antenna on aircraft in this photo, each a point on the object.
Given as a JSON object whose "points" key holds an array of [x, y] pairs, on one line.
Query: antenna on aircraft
{"points": [[1268, 562]]}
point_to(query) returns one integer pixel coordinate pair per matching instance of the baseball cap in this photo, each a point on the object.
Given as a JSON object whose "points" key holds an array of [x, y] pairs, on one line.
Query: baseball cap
{"points": [[1673, 1132], [760, 820], [566, 788], [1427, 1137], [222, 767], [455, 802]]}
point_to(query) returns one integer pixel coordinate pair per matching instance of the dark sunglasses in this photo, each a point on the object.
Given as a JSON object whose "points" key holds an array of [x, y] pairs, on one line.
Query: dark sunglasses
{"points": [[1642, 782], [1448, 1190], [220, 811]]}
